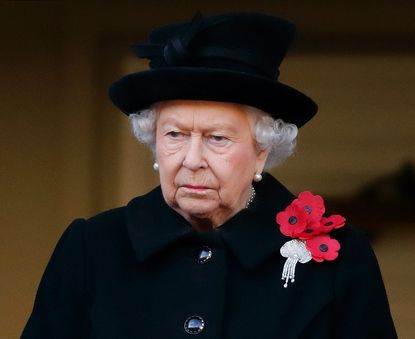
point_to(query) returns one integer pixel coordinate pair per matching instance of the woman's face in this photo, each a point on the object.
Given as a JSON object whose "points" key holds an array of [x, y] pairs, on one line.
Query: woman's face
{"points": [[207, 159]]}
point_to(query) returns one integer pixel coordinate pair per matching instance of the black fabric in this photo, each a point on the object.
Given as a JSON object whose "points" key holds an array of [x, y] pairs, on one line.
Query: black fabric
{"points": [[228, 58], [132, 272]]}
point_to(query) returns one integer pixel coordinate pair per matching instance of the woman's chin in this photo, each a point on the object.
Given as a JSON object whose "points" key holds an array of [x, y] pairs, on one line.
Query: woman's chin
{"points": [[197, 201], [197, 208]]}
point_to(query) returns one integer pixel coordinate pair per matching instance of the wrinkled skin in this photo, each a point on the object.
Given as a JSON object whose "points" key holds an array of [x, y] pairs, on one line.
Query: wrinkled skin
{"points": [[207, 159]]}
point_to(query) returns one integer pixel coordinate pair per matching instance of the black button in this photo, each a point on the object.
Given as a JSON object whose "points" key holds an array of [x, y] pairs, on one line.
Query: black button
{"points": [[205, 254], [194, 324]]}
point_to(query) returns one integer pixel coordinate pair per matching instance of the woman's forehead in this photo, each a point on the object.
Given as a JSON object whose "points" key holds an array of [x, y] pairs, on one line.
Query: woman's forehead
{"points": [[203, 113]]}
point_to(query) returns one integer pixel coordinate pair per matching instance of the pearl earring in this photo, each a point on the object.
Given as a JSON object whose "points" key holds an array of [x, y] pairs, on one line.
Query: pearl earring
{"points": [[257, 177], [156, 166]]}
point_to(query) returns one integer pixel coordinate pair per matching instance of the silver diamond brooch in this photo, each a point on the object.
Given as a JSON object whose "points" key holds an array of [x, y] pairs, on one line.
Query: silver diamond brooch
{"points": [[295, 251]]}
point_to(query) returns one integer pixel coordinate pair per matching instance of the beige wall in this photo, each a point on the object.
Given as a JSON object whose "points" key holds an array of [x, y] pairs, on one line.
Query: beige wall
{"points": [[364, 128], [66, 152]]}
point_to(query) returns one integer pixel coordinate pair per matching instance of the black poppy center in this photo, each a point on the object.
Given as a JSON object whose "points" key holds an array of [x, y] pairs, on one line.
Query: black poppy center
{"points": [[309, 230], [292, 220], [329, 223], [308, 209], [323, 248]]}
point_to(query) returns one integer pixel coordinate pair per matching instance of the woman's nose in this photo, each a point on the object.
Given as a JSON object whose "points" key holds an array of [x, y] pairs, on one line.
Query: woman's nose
{"points": [[194, 158]]}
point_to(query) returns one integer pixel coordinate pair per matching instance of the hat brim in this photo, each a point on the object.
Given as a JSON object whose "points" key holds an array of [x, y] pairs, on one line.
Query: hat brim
{"points": [[140, 90]]}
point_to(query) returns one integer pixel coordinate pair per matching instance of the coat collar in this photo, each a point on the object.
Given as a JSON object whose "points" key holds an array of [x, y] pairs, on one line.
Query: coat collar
{"points": [[251, 234]]}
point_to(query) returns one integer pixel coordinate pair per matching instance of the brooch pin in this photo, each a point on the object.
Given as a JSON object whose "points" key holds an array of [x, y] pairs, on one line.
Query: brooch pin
{"points": [[303, 221], [295, 251]]}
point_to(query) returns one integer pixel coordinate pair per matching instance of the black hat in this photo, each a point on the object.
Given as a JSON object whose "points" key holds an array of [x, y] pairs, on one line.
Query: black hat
{"points": [[229, 58]]}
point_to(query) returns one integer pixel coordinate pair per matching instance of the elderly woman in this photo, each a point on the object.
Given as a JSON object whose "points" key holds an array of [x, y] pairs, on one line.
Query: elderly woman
{"points": [[204, 253]]}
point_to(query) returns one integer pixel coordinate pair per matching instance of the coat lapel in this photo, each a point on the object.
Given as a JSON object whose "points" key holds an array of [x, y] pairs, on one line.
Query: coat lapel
{"points": [[152, 224], [253, 237], [251, 234]]}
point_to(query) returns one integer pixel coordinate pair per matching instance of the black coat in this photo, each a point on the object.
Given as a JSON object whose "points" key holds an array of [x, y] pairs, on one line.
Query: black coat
{"points": [[133, 272]]}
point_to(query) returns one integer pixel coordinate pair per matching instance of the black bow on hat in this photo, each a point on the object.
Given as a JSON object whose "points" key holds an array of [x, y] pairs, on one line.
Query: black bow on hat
{"points": [[230, 58], [176, 50]]}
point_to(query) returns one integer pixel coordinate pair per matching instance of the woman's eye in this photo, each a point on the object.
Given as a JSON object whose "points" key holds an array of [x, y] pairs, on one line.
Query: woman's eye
{"points": [[218, 139], [174, 134]]}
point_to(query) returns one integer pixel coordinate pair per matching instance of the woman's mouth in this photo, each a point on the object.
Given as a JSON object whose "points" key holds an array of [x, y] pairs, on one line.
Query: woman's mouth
{"points": [[196, 187]]}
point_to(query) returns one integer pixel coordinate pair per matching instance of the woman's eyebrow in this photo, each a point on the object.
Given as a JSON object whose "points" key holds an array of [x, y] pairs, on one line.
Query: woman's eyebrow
{"points": [[173, 121], [221, 127]]}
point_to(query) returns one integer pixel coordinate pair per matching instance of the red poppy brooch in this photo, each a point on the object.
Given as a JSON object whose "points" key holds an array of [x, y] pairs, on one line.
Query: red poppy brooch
{"points": [[303, 221]]}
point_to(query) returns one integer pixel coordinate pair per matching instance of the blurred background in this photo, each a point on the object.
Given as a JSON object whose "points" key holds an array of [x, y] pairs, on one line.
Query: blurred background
{"points": [[66, 152]]}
